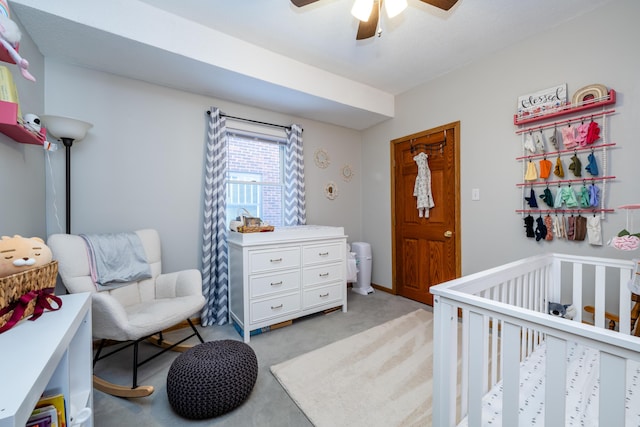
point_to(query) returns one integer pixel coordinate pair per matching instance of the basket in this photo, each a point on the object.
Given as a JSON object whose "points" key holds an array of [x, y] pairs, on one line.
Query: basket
{"points": [[256, 229], [27, 294]]}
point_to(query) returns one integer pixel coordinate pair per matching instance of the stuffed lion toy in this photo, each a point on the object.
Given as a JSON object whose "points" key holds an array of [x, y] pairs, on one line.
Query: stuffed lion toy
{"points": [[18, 254]]}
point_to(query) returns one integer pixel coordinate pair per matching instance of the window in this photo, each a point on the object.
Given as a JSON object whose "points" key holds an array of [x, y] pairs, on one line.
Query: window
{"points": [[255, 178]]}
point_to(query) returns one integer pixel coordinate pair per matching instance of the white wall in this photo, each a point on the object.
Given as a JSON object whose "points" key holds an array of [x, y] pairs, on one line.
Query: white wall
{"points": [[142, 163], [599, 47], [22, 190]]}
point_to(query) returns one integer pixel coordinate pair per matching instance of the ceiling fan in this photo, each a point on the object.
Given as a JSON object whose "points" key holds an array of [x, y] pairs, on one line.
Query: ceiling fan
{"points": [[368, 12]]}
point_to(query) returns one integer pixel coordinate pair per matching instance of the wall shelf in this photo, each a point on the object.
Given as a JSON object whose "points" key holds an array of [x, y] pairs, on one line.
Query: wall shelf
{"points": [[583, 180], [568, 109], [566, 151], [564, 211], [5, 56], [10, 126]]}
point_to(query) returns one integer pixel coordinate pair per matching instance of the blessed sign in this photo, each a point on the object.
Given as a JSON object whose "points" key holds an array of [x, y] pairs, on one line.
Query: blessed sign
{"points": [[543, 100]]}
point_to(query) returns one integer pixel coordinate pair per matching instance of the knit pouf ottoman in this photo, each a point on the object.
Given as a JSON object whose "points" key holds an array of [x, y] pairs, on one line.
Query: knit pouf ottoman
{"points": [[212, 378]]}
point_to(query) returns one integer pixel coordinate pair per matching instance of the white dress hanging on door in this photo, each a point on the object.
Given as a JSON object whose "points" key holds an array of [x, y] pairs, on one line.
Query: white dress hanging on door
{"points": [[422, 188]]}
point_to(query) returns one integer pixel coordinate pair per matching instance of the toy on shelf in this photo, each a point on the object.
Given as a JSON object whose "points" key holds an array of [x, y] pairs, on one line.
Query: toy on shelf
{"points": [[12, 126], [27, 280], [22, 253], [10, 36]]}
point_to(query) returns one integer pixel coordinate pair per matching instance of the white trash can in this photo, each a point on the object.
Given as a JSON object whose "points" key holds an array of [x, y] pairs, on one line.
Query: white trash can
{"points": [[363, 262]]}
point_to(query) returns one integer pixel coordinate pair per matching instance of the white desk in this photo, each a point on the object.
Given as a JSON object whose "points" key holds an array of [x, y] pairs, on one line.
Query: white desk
{"points": [[51, 354]]}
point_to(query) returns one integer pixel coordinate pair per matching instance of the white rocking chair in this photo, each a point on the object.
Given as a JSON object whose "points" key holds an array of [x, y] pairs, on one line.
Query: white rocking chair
{"points": [[138, 311]]}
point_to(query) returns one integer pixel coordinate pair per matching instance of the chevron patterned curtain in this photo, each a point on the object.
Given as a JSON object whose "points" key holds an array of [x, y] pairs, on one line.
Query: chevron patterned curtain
{"points": [[294, 197], [214, 239]]}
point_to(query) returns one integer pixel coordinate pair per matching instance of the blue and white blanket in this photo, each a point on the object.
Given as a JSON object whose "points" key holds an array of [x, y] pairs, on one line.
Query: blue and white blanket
{"points": [[116, 259]]}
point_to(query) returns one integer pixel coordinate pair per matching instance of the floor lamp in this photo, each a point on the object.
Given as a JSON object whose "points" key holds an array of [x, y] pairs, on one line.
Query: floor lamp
{"points": [[66, 130]]}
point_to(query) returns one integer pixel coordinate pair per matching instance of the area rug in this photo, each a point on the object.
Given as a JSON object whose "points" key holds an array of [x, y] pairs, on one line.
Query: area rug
{"points": [[379, 377]]}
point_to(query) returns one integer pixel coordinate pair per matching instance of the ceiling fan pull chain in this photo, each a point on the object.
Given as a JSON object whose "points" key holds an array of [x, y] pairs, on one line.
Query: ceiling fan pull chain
{"points": [[379, 20]]}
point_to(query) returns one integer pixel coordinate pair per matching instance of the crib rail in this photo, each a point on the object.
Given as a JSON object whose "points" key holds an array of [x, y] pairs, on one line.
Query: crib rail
{"points": [[496, 318]]}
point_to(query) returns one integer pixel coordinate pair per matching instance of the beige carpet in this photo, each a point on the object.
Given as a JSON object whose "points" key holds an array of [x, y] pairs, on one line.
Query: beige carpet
{"points": [[379, 377]]}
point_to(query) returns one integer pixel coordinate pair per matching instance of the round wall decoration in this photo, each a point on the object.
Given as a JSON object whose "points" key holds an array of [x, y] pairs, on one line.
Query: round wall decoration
{"points": [[321, 158], [347, 173], [331, 190], [588, 94]]}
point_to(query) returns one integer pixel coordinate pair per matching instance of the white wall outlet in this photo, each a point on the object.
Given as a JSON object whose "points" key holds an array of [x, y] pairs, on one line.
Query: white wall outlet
{"points": [[475, 194]]}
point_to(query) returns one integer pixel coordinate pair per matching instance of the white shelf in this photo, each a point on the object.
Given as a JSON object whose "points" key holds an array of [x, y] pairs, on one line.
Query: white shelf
{"points": [[53, 355]]}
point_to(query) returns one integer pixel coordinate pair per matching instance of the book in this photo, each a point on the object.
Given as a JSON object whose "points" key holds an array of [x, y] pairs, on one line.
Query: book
{"points": [[57, 401], [262, 330], [8, 91], [45, 416]]}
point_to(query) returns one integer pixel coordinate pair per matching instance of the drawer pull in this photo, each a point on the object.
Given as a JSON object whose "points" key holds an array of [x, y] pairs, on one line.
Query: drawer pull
{"points": [[276, 260], [324, 295], [323, 253], [276, 283], [323, 274], [276, 307]]}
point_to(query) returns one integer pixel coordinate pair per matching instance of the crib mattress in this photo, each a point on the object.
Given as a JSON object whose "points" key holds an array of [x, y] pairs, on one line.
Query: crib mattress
{"points": [[582, 391]]}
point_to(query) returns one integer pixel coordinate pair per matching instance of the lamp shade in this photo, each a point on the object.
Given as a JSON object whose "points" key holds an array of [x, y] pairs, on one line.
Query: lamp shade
{"points": [[66, 127], [362, 9], [394, 7]]}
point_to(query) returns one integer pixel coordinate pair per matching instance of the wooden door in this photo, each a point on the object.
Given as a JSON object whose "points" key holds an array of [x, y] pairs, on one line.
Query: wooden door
{"points": [[426, 250]]}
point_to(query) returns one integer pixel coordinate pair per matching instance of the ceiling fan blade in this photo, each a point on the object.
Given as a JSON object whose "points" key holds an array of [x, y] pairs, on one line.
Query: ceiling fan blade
{"points": [[441, 4], [301, 3], [369, 28]]}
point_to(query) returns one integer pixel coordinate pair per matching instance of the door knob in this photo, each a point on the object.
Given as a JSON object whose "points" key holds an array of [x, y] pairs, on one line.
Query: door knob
{"points": [[448, 233]]}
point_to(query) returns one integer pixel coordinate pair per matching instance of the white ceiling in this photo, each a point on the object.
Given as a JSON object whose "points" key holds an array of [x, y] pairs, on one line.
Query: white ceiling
{"points": [[270, 54]]}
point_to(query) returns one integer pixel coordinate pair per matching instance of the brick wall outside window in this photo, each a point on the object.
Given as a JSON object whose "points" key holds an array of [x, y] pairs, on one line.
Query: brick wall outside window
{"points": [[259, 160]]}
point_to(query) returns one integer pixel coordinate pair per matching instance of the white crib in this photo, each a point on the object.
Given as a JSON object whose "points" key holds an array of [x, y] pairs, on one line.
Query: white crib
{"points": [[495, 321]]}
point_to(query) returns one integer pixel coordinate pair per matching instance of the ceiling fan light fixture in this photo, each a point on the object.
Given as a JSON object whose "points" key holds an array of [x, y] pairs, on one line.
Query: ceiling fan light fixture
{"points": [[362, 9], [394, 7]]}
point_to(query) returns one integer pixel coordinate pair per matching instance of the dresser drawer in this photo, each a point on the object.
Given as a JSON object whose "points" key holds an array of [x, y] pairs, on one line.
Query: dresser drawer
{"points": [[322, 274], [264, 285], [329, 252], [274, 307], [322, 295], [277, 259]]}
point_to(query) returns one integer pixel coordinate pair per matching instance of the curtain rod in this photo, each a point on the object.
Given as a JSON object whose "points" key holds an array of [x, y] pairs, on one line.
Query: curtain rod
{"points": [[252, 121]]}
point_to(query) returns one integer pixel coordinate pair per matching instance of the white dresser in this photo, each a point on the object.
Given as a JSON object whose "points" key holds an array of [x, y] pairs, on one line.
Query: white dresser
{"points": [[288, 273]]}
